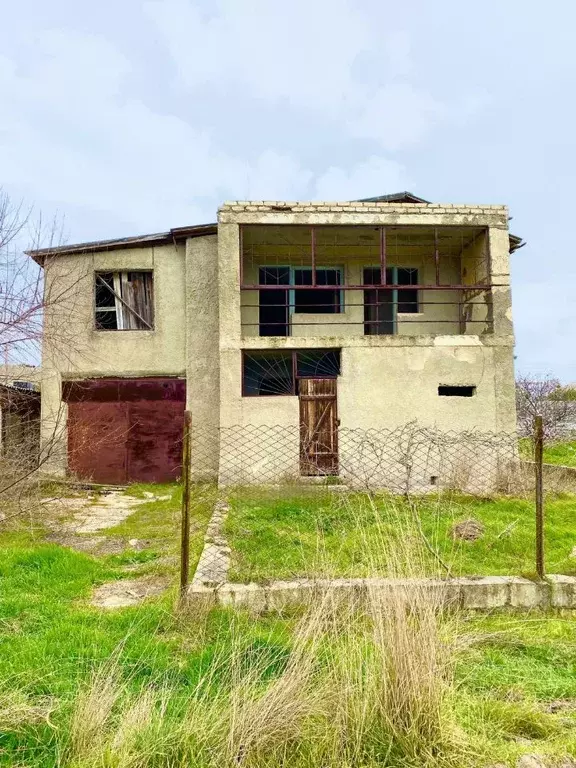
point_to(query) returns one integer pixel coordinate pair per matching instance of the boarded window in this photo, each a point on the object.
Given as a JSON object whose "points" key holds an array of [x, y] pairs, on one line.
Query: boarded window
{"points": [[124, 301]]}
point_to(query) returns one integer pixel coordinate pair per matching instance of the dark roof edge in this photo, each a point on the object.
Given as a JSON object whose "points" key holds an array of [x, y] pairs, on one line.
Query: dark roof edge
{"points": [[515, 242], [396, 197], [139, 241]]}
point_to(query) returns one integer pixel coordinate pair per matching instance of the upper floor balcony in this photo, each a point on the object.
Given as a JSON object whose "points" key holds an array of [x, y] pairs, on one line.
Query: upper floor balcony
{"points": [[343, 281]]}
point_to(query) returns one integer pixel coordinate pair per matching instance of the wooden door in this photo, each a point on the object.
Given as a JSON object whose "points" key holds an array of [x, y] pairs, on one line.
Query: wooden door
{"points": [[318, 427]]}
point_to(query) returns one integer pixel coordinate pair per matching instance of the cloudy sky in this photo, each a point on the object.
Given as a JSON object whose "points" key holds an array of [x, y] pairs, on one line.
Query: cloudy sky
{"points": [[140, 115]]}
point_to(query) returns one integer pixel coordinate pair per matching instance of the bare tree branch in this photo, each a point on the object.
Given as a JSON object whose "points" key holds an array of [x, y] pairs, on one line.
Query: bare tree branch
{"points": [[543, 397]]}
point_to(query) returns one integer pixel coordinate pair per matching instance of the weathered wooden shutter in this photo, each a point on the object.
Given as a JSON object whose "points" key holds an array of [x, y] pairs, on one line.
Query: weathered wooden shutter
{"points": [[318, 427]]}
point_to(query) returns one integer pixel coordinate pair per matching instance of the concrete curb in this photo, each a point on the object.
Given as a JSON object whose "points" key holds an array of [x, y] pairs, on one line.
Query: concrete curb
{"points": [[482, 593], [214, 562]]}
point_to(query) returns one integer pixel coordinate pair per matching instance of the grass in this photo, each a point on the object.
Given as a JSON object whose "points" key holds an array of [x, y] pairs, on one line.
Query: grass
{"points": [[147, 687], [343, 684], [275, 537], [561, 453]]}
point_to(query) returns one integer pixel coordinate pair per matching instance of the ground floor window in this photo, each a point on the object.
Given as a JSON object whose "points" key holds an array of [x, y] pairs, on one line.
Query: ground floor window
{"points": [[277, 372]]}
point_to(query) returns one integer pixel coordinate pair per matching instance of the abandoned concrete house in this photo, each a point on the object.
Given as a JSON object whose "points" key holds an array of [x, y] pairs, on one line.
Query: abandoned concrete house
{"points": [[318, 317]]}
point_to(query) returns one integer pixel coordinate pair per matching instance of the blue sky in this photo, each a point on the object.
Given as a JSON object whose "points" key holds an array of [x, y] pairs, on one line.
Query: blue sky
{"points": [[136, 116]]}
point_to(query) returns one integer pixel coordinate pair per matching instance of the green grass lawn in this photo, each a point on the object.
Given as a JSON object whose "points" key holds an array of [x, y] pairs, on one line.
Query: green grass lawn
{"points": [[561, 453], [508, 667], [274, 537], [156, 524]]}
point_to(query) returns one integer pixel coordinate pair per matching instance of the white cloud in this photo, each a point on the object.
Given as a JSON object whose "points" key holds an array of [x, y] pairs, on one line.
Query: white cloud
{"points": [[303, 55], [93, 148], [301, 51], [68, 134], [375, 176]]}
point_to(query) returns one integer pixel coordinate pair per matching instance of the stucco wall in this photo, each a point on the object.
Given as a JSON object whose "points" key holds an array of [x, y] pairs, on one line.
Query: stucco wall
{"points": [[386, 381], [97, 352], [73, 348], [388, 387], [202, 353]]}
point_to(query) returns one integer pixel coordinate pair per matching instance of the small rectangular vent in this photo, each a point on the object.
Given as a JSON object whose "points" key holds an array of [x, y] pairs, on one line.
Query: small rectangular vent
{"points": [[451, 390]]}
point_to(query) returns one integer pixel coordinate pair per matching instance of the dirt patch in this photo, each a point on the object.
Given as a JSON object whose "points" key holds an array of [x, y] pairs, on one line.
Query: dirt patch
{"points": [[90, 514], [127, 592], [468, 530], [94, 545]]}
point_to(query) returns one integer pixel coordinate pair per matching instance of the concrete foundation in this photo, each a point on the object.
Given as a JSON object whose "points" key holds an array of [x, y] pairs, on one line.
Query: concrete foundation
{"points": [[485, 593]]}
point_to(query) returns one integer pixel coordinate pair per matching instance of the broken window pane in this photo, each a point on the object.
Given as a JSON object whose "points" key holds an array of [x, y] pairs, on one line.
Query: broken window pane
{"points": [[124, 300]]}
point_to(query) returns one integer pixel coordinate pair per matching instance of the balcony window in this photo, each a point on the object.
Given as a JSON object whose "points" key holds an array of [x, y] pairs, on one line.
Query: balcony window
{"points": [[382, 305]]}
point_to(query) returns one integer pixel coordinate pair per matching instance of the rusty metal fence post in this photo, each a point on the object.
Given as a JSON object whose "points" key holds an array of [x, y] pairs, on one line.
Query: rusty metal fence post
{"points": [[185, 532], [539, 495]]}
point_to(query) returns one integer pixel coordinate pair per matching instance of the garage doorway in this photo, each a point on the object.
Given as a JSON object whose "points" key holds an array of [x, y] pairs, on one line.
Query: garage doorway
{"points": [[125, 430]]}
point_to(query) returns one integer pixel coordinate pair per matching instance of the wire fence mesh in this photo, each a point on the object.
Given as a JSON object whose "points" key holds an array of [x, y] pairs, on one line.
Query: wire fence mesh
{"points": [[292, 505], [410, 459]]}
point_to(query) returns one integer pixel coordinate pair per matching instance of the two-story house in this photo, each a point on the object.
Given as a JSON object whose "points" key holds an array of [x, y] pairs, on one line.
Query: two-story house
{"points": [[307, 317]]}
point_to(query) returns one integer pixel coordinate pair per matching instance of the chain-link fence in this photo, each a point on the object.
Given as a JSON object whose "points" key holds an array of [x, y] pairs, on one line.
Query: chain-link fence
{"points": [[290, 503], [410, 459]]}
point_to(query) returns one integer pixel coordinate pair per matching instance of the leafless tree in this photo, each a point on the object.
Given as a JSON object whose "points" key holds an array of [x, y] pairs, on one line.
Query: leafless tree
{"points": [[29, 299], [25, 295], [542, 397]]}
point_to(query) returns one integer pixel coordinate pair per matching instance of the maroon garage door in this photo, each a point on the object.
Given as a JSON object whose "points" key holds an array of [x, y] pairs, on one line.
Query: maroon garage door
{"points": [[125, 430]]}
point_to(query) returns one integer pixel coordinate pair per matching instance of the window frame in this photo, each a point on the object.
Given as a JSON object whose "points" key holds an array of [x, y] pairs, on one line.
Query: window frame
{"points": [[395, 302], [293, 353], [96, 309], [291, 289]]}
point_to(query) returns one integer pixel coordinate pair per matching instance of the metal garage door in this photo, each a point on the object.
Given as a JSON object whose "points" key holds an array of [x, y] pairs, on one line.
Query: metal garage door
{"points": [[125, 430]]}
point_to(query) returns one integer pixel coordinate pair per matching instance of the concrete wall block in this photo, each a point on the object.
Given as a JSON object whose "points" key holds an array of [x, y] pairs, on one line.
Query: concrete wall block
{"points": [[529, 594], [562, 591], [485, 593], [287, 594]]}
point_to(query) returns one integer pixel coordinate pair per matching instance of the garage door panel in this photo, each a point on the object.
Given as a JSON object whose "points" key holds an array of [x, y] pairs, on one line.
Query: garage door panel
{"points": [[97, 434], [154, 445], [125, 431]]}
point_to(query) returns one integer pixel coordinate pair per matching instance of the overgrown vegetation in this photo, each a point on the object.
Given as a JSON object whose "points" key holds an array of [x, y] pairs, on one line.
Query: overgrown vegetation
{"points": [[563, 453], [274, 537], [360, 683]]}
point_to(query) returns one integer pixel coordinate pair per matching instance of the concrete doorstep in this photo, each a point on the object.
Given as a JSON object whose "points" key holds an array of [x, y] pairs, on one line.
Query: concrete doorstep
{"points": [[483, 593]]}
